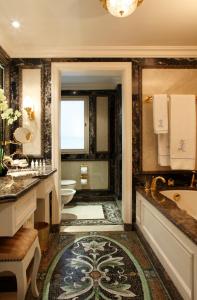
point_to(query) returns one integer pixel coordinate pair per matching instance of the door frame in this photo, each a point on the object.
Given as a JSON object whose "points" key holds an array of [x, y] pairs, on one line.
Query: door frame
{"points": [[125, 71]]}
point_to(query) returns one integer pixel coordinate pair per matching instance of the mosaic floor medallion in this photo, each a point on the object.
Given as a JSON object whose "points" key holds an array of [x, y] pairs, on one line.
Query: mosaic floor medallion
{"points": [[95, 267], [112, 215]]}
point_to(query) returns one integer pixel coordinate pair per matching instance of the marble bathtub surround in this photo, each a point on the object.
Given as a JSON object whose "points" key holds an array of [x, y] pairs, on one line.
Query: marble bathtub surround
{"points": [[186, 223]]}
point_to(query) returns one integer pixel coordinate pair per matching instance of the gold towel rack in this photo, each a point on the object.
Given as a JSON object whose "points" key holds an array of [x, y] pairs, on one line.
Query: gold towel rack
{"points": [[149, 99]]}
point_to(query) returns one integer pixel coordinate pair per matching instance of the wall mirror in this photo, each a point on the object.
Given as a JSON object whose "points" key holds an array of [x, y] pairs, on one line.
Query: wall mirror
{"points": [[31, 102], [1, 77], [179, 80]]}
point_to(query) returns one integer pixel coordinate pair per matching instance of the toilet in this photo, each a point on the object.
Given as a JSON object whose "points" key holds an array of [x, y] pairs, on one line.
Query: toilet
{"points": [[67, 191], [68, 184]]}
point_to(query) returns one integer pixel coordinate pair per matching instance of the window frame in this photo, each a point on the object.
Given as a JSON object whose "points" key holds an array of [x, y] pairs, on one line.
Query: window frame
{"points": [[85, 99]]}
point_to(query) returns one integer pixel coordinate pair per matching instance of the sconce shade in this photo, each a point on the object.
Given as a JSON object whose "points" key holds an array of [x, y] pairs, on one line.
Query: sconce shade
{"points": [[27, 102], [121, 8]]}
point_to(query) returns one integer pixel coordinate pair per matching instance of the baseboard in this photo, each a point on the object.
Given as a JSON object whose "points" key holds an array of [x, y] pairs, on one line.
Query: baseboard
{"points": [[128, 227], [55, 228]]}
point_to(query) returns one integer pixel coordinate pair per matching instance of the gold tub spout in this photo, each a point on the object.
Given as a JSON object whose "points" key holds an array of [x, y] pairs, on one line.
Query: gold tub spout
{"points": [[193, 180], [154, 182]]}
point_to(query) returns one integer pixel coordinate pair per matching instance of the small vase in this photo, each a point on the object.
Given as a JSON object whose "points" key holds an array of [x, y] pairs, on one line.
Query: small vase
{"points": [[3, 167]]}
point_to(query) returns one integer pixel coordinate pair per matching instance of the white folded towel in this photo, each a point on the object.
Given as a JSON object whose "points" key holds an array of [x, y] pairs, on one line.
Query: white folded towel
{"points": [[160, 113], [182, 132], [163, 150]]}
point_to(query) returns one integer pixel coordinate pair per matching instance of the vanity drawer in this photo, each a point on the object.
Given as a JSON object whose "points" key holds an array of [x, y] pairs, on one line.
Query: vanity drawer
{"points": [[24, 208], [14, 214]]}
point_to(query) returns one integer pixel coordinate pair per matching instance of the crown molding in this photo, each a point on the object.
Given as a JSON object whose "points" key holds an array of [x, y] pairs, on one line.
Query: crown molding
{"points": [[106, 52]]}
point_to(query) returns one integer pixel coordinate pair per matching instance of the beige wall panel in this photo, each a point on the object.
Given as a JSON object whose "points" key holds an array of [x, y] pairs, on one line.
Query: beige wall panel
{"points": [[161, 81], [97, 173]]}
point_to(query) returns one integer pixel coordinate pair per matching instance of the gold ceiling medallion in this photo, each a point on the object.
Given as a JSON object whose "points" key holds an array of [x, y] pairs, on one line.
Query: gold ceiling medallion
{"points": [[120, 8]]}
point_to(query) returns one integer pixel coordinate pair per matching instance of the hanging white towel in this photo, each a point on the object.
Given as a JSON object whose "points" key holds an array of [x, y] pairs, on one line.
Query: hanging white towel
{"points": [[182, 132], [163, 150], [160, 113]]}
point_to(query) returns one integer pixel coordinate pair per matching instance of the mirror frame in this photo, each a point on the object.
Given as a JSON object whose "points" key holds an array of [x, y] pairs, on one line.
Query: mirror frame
{"points": [[40, 67], [138, 65], [2, 79]]}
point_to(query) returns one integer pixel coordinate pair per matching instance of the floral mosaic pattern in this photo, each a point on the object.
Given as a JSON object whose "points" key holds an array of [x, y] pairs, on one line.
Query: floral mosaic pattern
{"points": [[111, 212], [95, 267]]}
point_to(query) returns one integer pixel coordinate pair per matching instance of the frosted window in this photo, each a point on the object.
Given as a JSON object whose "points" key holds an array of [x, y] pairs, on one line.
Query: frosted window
{"points": [[73, 125]]}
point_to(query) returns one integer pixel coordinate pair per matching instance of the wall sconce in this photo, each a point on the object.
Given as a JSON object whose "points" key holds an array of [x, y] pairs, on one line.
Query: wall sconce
{"points": [[28, 107]]}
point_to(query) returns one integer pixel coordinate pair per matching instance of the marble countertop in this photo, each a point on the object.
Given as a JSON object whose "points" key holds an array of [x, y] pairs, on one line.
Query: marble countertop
{"points": [[179, 217], [13, 188]]}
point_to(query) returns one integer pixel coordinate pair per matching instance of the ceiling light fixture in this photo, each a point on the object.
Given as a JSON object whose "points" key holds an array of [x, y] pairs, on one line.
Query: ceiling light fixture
{"points": [[15, 24], [121, 8]]}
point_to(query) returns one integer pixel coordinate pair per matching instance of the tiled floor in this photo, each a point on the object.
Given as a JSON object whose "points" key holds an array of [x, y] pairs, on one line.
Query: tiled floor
{"points": [[111, 227], [127, 239]]}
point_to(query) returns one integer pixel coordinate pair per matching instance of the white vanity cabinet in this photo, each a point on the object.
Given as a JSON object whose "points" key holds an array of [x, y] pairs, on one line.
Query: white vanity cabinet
{"points": [[44, 192], [30, 202], [14, 214], [175, 251]]}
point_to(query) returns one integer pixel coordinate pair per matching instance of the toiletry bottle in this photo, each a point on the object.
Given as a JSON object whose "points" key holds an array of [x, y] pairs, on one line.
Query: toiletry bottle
{"points": [[32, 164], [43, 164], [36, 164], [40, 164]]}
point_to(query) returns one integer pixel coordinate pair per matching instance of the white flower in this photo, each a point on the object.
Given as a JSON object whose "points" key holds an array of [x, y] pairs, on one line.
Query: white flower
{"points": [[17, 113], [10, 121], [3, 106], [2, 96], [7, 113]]}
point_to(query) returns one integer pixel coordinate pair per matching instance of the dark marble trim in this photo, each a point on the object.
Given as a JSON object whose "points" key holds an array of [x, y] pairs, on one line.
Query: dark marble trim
{"points": [[99, 156], [45, 65], [4, 57], [40, 67], [167, 282], [97, 195], [184, 222], [128, 227], [5, 63]]}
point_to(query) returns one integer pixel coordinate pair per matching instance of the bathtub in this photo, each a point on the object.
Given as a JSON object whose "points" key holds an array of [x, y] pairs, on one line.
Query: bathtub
{"points": [[171, 234], [185, 199]]}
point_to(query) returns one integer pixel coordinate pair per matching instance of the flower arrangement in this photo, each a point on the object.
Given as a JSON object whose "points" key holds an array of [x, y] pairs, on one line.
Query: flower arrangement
{"points": [[7, 117]]}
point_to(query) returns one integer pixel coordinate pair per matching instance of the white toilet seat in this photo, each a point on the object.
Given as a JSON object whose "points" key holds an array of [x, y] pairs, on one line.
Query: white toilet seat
{"points": [[67, 182]]}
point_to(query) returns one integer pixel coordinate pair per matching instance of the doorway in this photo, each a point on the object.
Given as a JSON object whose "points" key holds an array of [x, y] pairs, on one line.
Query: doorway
{"points": [[124, 71]]}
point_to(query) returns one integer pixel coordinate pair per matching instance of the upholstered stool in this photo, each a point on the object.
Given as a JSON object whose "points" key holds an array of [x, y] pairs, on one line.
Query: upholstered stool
{"points": [[16, 254]]}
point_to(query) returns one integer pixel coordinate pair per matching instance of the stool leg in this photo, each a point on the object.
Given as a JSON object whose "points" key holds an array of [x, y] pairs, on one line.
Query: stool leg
{"points": [[21, 279], [37, 257]]}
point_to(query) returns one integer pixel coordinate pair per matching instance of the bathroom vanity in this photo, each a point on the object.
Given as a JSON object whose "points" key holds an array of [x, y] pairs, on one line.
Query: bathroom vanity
{"points": [[171, 233], [23, 198]]}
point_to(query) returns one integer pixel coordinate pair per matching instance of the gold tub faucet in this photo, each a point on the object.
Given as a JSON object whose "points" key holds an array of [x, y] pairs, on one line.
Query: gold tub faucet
{"points": [[154, 182], [193, 180]]}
